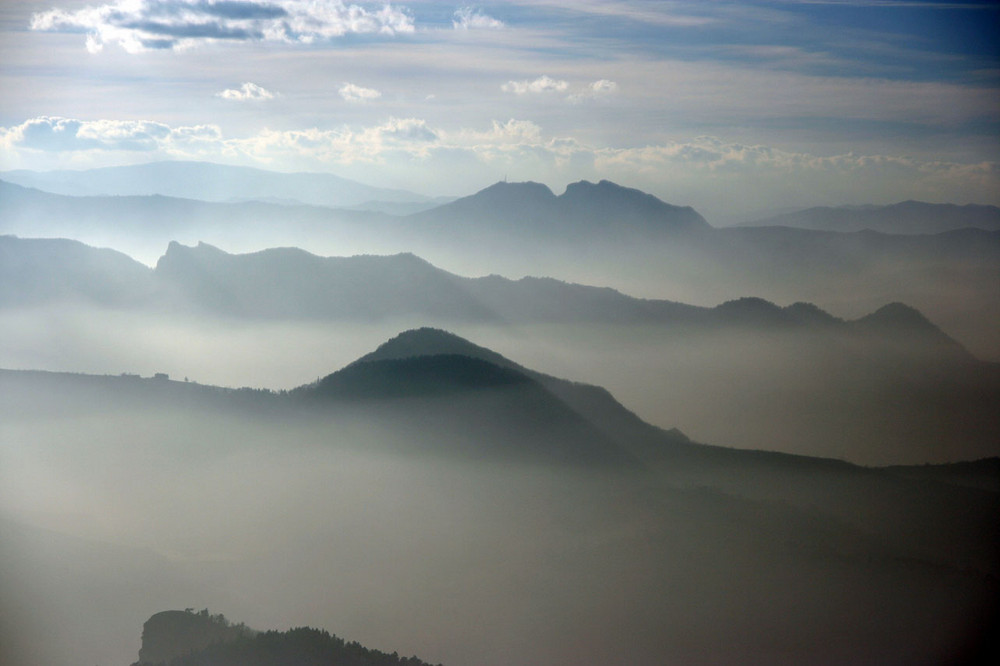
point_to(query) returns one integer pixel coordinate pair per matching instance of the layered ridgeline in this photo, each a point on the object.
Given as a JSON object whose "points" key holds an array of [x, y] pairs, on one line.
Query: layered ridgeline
{"points": [[220, 183], [186, 638], [460, 506], [593, 233], [907, 217], [887, 387], [290, 283]]}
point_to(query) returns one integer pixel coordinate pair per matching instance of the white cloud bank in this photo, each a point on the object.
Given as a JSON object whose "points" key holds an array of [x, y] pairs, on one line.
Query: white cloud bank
{"points": [[355, 93], [714, 175], [540, 85], [248, 92], [142, 25], [468, 19], [66, 135]]}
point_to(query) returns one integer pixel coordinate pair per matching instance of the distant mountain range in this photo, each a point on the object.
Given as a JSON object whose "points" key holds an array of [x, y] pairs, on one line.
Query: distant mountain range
{"points": [[889, 386], [593, 234], [907, 217], [216, 183], [293, 284]]}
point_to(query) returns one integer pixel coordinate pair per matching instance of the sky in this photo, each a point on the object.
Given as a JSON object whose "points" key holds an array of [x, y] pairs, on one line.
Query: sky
{"points": [[736, 108]]}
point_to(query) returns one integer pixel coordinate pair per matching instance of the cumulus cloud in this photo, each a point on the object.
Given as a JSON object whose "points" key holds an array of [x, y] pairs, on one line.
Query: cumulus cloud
{"points": [[697, 170], [355, 93], [510, 132], [540, 85], [55, 134], [248, 92], [468, 19], [142, 25]]}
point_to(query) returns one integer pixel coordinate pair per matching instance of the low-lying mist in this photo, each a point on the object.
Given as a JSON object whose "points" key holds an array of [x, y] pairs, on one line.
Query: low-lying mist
{"points": [[115, 506], [809, 392]]}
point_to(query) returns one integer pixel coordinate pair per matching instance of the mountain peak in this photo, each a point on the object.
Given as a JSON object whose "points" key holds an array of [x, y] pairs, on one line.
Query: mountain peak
{"points": [[603, 208], [527, 187], [898, 315], [432, 342], [897, 320], [609, 201]]}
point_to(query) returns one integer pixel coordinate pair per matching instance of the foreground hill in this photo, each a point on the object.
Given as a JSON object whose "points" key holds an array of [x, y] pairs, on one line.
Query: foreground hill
{"points": [[186, 638], [907, 217], [437, 497]]}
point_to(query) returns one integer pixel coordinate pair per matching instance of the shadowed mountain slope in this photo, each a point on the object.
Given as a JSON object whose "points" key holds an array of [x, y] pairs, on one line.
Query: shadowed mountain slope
{"points": [[287, 282], [39, 271], [472, 402], [593, 403]]}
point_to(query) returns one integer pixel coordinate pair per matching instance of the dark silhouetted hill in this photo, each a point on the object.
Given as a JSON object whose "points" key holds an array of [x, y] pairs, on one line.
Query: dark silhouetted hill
{"points": [[170, 635], [186, 638], [455, 401], [982, 474], [900, 322], [593, 403], [907, 217]]}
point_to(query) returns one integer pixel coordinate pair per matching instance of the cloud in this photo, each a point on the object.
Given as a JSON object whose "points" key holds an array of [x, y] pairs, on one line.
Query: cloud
{"points": [[600, 88], [603, 87], [55, 134], [409, 150], [248, 92], [354, 93], [143, 25], [539, 85], [468, 19], [510, 132]]}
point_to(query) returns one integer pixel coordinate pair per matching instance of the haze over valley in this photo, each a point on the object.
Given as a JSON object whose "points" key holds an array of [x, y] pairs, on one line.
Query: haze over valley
{"points": [[527, 333]]}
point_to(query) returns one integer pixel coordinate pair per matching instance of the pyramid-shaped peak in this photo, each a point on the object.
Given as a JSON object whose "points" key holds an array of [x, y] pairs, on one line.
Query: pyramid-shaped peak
{"points": [[432, 342], [899, 315]]}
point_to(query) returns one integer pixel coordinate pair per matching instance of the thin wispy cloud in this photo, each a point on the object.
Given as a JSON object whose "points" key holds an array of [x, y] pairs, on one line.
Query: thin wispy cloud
{"points": [[355, 93], [542, 84], [467, 18], [599, 88], [143, 25], [248, 92]]}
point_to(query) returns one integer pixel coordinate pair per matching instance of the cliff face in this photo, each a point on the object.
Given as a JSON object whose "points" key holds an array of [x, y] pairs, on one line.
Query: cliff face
{"points": [[173, 634]]}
